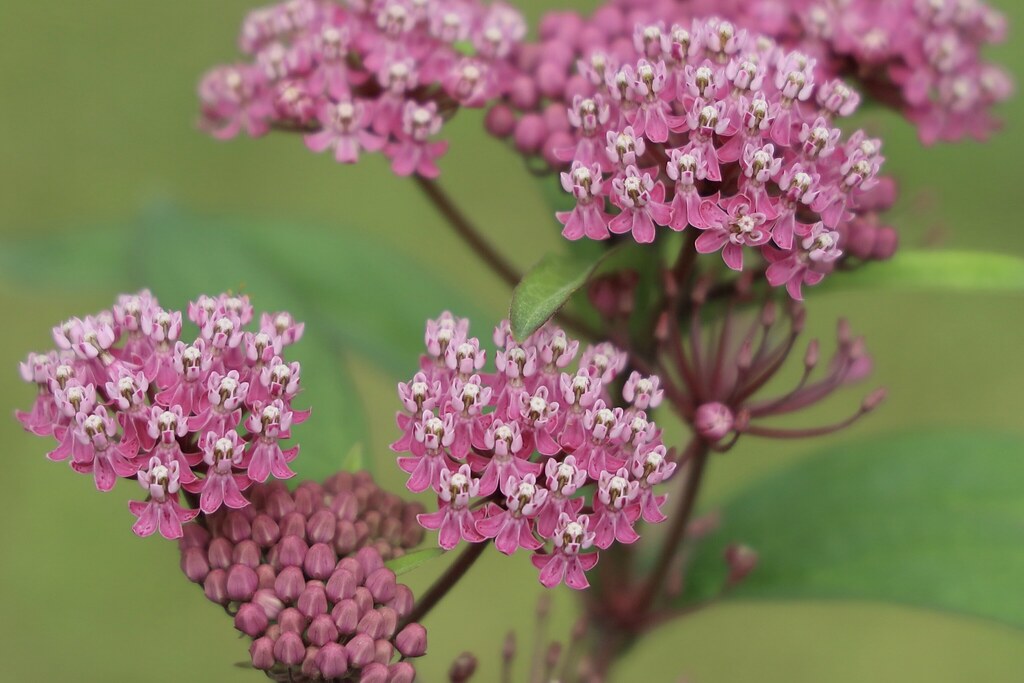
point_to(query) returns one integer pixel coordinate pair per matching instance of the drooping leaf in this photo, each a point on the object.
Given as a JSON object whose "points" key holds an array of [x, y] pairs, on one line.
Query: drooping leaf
{"points": [[406, 563], [934, 520], [940, 269], [548, 286]]}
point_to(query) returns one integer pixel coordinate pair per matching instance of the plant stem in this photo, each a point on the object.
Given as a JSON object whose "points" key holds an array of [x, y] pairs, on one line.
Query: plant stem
{"points": [[445, 583], [697, 453], [465, 229]]}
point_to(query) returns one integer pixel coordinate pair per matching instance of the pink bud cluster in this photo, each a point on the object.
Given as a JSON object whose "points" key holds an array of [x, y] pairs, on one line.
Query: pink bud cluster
{"points": [[921, 57], [303, 574], [709, 127], [124, 396], [364, 76], [534, 454]]}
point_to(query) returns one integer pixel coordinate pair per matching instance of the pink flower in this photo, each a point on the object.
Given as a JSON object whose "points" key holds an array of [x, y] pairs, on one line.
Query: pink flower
{"points": [[432, 437], [643, 392], [732, 224], [642, 201], [614, 513], [162, 511], [222, 453], [511, 527], [234, 99], [192, 365], [509, 458], [687, 168], [97, 450], [269, 423], [650, 469], [345, 130], [414, 152], [566, 564], [564, 479], [454, 520], [807, 264], [588, 218]]}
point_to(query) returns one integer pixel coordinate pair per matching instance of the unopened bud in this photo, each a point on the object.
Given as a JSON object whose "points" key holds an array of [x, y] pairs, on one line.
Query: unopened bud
{"points": [[374, 673], [401, 672], [289, 649], [265, 531], [251, 620], [412, 641], [262, 654], [712, 421], [219, 553], [346, 616], [216, 587], [360, 650], [813, 354], [463, 668], [322, 630], [292, 620], [741, 560], [289, 584], [874, 399], [321, 526], [194, 564], [241, 582], [320, 561], [382, 584], [313, 600], [332, 660]]}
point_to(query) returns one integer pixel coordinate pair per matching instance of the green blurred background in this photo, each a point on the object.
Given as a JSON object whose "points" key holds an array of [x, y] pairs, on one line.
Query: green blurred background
{"points": [[98, 126]]}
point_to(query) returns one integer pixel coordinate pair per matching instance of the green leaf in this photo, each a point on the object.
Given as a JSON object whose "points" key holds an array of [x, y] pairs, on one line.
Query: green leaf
{"points": [[548, 286], [943, 270], [406, 563], [934, 520]]}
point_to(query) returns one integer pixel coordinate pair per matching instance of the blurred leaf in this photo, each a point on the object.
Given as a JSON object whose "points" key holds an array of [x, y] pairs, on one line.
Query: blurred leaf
{"points": [[548, 286], [944, 269], [406, 563], [933, 519]]}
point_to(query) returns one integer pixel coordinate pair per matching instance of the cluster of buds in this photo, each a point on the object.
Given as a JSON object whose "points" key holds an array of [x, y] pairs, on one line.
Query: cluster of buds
{"points": [[513, 455], [124, 396], [723, 369], [704, 127], [921, 57], [304, 575], [364, 76]]}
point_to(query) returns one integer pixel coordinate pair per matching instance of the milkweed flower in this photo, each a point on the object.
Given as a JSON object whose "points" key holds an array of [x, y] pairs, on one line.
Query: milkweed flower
{"points": [[303, 574], [512, 454], [124, 396], [363, 77]]}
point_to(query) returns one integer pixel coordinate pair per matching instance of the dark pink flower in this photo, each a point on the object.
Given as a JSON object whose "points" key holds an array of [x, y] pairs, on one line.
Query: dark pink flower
{"points": [[732, 224], [454, 520], [642, 201], [566, 563], [162, 511]]}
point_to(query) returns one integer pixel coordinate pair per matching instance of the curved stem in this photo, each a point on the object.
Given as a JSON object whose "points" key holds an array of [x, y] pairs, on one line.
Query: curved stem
{"points": [[465, 229], [697, 452], [445, 583]]}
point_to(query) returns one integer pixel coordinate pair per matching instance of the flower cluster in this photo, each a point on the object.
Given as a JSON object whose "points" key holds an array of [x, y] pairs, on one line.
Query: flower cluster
{"points": [[303, 574], [921, 57], [364, 76], [511, 455], [124, 396], [712, 128]]}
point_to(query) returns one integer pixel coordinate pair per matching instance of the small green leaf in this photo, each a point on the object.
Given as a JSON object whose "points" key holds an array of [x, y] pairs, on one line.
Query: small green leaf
{"points": [[406, 563], [933, 520], [943, 270], [548, 286], [355, 461]]}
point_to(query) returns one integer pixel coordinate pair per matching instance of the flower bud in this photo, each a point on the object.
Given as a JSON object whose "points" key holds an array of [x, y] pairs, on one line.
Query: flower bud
{"points": [[412, 641], [310, 671], [289, 584], [360, 650], [320, 561], [194, 564], [262, 654], [269, 602], [351, 565], [500, 121], [292, 620], [463, 668], [390, 619], [341, 585], [364, 599], [251, 620], [194, 536], [241, 582], [403, 601], [383, 651], [344, 537], [371, 624], [370, 560], [345, 508], [279, 504], [219, 553], [322, 630], [293, 524], [401, 672], [874, 399], [236, 527], [374, 673], [291, 551], [712, 421], [320, 527], [529, 133], [265, 531], [289, 649], [246, 552], [216, 586], [346, 616], [382, 584], [332, 660], [886, 242], [266, 575], [313, 600], [741, 560]]}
